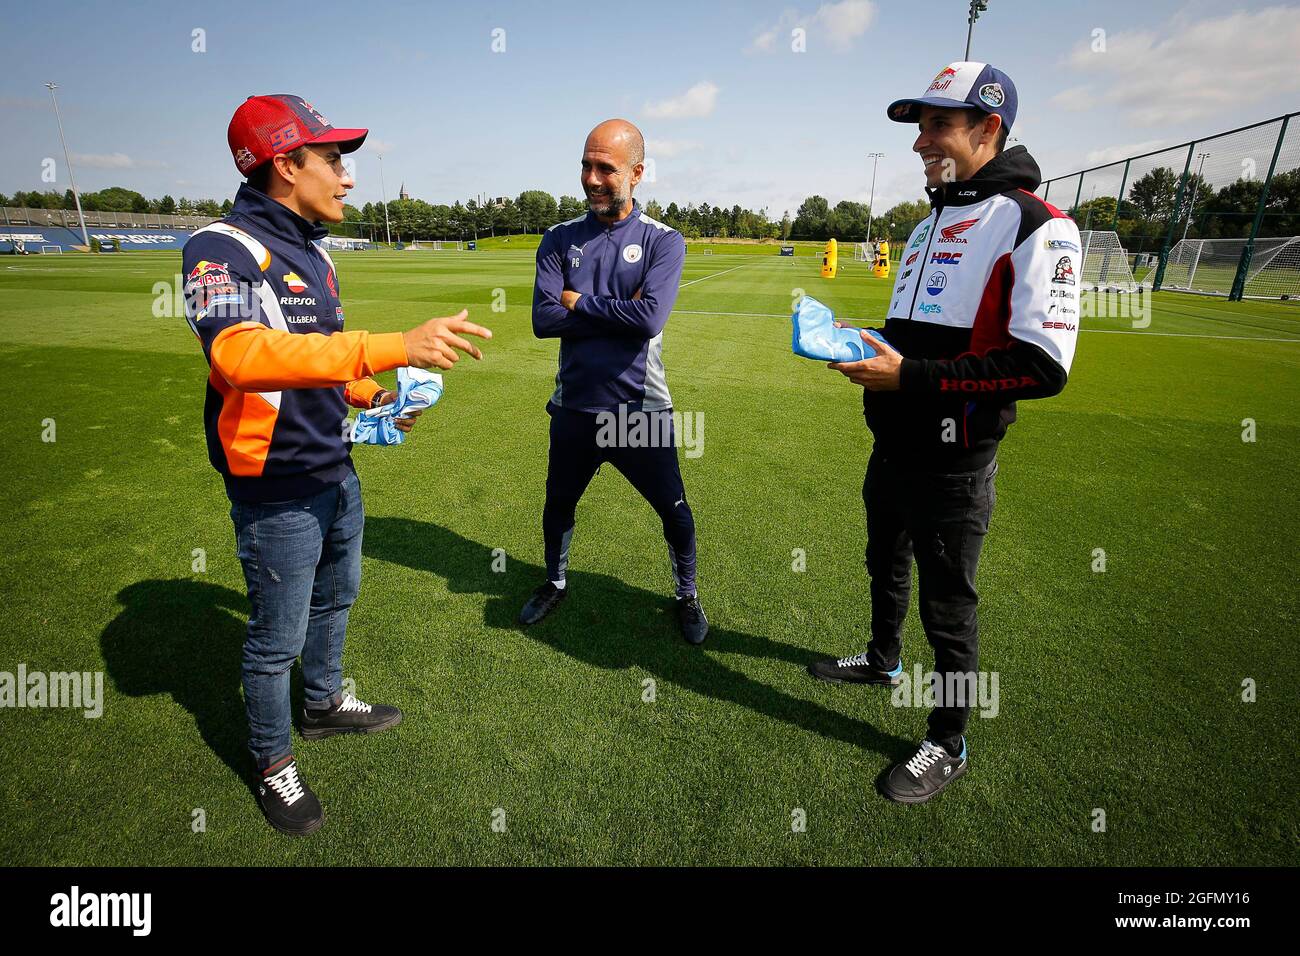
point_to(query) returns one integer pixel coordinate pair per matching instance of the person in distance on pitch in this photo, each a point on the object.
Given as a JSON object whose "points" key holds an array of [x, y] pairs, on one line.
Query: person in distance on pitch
{"points": [[606, 284], [263, 298]]}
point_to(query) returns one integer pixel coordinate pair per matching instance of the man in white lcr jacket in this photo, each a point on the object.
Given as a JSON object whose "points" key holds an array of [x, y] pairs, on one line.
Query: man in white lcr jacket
{"points": [[984, 312]]}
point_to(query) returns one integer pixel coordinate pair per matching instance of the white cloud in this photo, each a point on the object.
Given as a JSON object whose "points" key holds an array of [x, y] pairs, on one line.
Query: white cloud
{"points": [[836, 25], [1114, 154], [696, 102], [1198, 68], [114, 161], [375, 145], [669, 148]]}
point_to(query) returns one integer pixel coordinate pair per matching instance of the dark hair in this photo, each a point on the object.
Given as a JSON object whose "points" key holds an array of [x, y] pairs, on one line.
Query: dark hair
{"points": [[978, 116], [260, 178]]}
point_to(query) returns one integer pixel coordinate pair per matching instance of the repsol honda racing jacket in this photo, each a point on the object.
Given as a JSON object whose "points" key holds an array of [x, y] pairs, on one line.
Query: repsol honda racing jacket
{"points": [[263, 298], [985, 311]]}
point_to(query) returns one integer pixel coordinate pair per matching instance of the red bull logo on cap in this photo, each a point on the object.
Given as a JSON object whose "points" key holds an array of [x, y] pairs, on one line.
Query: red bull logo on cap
{"points": [[942, 80]]}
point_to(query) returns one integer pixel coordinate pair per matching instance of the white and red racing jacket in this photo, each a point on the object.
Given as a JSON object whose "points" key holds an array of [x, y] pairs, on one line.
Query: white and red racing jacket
{"points": [[985, 311]]}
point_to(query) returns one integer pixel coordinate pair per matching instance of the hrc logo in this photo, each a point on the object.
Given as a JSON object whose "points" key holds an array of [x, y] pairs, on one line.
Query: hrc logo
{"points": [[946, 258]]}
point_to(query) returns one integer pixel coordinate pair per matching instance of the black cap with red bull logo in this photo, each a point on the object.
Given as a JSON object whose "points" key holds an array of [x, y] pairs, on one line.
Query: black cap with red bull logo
{"points": [[963, 85], [278, 123]]}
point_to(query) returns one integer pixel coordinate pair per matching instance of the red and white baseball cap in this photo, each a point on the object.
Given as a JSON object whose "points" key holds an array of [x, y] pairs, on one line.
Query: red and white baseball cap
{"points": [[278, 123]]}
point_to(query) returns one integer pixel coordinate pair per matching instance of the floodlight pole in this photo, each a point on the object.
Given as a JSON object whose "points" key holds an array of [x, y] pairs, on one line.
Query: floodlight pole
{"points": [[76, 197], [1191, 206], [976, 8], [875, 159], [388, 232]]}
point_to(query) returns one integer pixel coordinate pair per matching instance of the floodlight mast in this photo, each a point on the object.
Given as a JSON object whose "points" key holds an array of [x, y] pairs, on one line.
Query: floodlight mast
{"points": [[76, 197], [871, 202], [388, 232], [976, 8]]}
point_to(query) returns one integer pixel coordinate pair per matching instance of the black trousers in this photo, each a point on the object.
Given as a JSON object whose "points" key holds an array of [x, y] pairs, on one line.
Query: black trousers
{"points": [[577, 452], [939, 520]]}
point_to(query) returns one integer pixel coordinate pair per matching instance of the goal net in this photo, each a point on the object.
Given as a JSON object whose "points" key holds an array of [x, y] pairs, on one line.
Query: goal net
{"points": [[862, 252], [343, 243], [1209, 266], [48, 250], [1105, 263], [447, 245]]}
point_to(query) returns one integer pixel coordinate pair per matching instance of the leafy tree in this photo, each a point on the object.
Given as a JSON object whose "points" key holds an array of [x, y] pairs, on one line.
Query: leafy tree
{"points": [[538, 209], [810, 220]]}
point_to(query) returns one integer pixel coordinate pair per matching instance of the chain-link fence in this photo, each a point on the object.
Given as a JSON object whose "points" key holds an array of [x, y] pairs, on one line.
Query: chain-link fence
{"points": [[1242, 185]]}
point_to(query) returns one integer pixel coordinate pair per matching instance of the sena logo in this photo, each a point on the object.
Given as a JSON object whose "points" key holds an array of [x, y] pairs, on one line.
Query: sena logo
{"points": [[1059, 326], [952, 233], [945, 259], [985, 384]]}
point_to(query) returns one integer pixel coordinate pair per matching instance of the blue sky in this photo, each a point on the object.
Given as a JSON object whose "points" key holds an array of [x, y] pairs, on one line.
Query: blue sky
{"points": [[731, 113]]}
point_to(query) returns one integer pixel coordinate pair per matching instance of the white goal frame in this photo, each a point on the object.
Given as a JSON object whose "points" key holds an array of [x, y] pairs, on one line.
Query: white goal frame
{"points": [[1106, 266], [1209, 267], [47, 249]]}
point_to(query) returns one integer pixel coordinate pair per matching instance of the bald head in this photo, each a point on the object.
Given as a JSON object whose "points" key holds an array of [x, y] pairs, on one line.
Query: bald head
{"points": [[618, 136], [612, 164]]}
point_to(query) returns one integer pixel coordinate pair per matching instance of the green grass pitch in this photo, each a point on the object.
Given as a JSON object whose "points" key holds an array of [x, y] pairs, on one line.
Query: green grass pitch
{"points": [[1120, 691]]}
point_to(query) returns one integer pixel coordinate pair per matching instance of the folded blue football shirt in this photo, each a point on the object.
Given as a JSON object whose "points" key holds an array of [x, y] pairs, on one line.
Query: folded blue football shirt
{"points": [[816, 337], [417, 389]]}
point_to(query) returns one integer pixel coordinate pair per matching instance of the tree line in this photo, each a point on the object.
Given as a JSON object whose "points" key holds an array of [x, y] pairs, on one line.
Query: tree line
{"points": [[1225, 213], [117, 199], [532, 211]]}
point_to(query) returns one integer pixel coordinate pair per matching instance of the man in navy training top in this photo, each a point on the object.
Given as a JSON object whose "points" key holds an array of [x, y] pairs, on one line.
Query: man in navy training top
{"points": [[606, 283]]}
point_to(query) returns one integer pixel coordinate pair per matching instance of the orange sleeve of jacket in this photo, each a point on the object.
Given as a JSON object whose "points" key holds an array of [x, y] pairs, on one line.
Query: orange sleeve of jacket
{"points": [[254, 358], [362, 392]]}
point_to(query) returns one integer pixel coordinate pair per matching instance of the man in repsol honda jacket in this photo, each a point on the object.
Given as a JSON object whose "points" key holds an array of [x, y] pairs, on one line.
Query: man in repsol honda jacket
{"points": [[263, 298], [984, 312]]}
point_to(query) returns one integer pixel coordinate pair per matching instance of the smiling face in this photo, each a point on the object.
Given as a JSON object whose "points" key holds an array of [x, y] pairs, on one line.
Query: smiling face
{"points": [[317, 189], [950, 148], [613, 161]]}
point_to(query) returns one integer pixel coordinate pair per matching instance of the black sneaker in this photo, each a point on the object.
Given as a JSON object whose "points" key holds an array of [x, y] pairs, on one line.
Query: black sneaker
{"points": [[690, 615], [855, 670], [287, 801], [349, 716], [929, 770], [542, 603]]}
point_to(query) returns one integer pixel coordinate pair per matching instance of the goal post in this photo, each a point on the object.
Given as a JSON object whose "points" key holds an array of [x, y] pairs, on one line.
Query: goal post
{"points": [[1209, 266], [447, 245], [51, 250], [1105, 263]]}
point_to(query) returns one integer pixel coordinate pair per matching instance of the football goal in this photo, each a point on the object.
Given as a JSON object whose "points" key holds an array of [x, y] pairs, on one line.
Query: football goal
{"points": [[1105, 263], [447, 245], [1209, 266], [51, 250], [862, 253]]}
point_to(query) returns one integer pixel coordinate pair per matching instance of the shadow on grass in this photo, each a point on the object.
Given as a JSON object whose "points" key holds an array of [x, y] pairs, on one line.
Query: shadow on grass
{"points": [[610, 624], [185, 638]]}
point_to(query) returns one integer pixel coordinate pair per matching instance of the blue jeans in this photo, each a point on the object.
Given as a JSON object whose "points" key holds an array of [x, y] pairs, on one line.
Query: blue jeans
{"points": [[302, 565]]}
